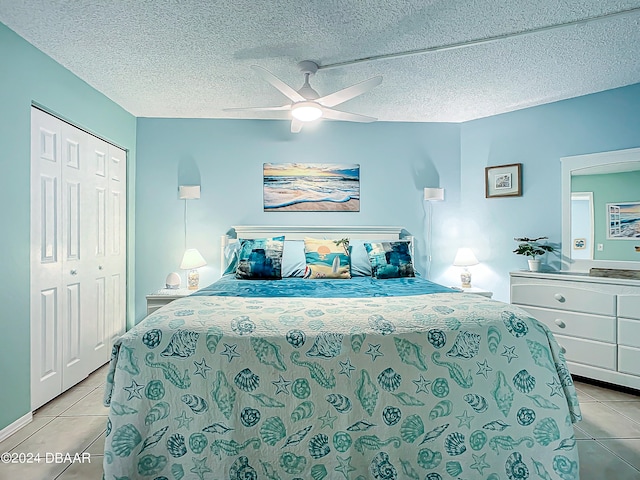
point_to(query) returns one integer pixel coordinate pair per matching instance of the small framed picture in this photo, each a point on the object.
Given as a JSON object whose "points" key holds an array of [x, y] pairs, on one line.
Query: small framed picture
{"points": [[503, 181], [579, 243]]}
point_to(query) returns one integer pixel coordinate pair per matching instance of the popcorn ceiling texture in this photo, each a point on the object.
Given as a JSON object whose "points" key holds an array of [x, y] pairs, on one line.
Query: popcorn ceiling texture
{"points": [[192, 58]]}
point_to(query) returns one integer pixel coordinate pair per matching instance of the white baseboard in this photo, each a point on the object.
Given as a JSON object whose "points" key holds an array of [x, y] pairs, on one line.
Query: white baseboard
{"points": [[15, 426]]}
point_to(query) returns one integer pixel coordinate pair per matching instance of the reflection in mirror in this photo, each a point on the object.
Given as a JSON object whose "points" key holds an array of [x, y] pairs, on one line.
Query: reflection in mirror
{"points": [[582, 225], [601, 210], [615, 193]]}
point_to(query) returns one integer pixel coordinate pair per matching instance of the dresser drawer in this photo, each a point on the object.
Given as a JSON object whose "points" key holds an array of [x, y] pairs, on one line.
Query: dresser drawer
{"points": [[556, 295], [629, 332], [593, 327], [588, 352], [629, 360], [629, 306]]}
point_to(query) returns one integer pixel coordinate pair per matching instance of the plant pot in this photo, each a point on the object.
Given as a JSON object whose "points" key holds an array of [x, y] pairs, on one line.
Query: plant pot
{"points": [[534, 265]]}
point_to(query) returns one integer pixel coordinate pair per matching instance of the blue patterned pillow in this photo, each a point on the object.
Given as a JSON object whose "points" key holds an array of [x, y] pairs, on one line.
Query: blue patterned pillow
{"points": [[390, 259], [260, 258]]}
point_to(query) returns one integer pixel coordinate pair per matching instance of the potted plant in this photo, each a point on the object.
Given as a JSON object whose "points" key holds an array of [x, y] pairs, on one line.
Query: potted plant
{"points": [[531, 247]]}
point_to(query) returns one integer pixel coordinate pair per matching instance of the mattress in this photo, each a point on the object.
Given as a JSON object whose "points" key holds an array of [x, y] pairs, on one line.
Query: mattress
{"points": [[297, 380]]}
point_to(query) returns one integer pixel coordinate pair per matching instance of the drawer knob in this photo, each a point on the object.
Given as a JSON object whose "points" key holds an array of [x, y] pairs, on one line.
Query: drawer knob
{"points": [[560, 323], [562, 349], [559, 297]]}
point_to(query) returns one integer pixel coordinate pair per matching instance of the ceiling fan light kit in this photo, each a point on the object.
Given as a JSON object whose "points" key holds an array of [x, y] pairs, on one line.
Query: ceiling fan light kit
{"points": [[306, 111], [306, 104]]}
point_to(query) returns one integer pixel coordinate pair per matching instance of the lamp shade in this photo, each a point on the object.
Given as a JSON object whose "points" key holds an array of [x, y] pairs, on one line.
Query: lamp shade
{"points": [[465, 258], [192, 259], [433, 194]]}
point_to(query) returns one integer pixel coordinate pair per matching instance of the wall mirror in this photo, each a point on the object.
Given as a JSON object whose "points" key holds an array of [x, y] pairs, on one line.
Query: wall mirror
{"points": [[601, 210]]}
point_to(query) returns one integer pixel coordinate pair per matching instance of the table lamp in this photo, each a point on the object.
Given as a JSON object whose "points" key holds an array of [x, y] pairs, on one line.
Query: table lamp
{"points": [[465, 258], [192, 260]]}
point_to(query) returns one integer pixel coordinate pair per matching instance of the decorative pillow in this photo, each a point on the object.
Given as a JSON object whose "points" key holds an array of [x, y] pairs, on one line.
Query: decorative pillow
{"points": [[359, 258], [326, 258], [390, 259], [231, 252], [260, 258], [293, 259]]}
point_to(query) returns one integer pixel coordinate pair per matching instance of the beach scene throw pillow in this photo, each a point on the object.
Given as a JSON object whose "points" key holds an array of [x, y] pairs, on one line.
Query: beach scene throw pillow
{"points": [[327, 258]]}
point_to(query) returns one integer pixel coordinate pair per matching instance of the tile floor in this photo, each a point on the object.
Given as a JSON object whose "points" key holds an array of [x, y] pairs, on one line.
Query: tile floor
{"points": [[608, 436]]}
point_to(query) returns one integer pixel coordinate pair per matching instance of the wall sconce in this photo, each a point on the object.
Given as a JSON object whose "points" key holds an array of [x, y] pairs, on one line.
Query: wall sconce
{"points": [[189, 192], [192, 260], [465, 258], [433, 194]]}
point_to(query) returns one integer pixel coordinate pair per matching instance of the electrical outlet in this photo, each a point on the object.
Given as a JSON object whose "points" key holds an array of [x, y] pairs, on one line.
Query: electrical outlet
{"points": [[600, 247]]}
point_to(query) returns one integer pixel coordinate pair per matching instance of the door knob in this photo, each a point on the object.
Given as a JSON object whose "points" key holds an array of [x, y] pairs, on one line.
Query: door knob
{"points": [[559, 297], [562, 349], [560, 323], [100, 267], [74, 272]]}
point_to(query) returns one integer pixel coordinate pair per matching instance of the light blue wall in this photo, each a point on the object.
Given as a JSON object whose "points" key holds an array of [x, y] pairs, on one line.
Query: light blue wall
{"points": [[536, 137], [26, 76], [396, 161]]}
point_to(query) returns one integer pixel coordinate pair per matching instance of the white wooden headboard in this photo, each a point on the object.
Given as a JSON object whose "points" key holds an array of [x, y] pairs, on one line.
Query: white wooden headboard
{"points": [[297, 232]]}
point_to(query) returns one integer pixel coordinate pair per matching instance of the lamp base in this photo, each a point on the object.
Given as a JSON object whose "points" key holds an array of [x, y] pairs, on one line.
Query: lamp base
{"points": [[465, 278], [193, 279]]}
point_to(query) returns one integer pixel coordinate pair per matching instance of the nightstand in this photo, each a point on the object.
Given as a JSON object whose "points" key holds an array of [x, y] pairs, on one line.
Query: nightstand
{"points": [[477, 291], [165, 296]]}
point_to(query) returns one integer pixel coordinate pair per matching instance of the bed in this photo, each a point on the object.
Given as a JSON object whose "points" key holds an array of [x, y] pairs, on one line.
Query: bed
{"points": [[356, 379]]}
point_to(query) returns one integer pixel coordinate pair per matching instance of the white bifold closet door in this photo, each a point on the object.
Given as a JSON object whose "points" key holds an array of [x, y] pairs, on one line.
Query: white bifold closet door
{"points": [[78, 259]]}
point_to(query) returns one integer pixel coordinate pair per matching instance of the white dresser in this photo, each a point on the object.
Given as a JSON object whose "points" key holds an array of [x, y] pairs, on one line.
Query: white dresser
{"points": [[596, 320]]}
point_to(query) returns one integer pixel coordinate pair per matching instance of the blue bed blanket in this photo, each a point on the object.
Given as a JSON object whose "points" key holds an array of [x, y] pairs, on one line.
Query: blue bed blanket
{"points": [[356, 287]]}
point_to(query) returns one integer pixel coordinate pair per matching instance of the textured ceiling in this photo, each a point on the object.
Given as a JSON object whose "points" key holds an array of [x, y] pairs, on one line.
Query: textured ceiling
{"points": [[192, 58]]}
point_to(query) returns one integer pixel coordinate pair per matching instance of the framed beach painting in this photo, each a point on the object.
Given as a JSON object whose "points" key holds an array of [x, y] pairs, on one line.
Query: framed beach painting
{"points": [[624, 221], [503, 181], [311, 187]]}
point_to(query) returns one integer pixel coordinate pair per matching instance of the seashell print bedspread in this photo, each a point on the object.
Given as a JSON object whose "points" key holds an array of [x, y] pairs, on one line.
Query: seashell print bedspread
{"points": [[440, 386]]}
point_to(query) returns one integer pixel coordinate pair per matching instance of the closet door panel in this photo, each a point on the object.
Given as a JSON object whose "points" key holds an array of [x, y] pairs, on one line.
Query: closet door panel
{"points": [[76, 222], [97, 253], [46, 259], [116, 225]]}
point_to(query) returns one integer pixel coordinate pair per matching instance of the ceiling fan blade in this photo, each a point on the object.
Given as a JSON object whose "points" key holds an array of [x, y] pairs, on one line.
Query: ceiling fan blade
{"points": [[332, 114], [348, 93], [285, 89], [258, 109], [296, 125]]}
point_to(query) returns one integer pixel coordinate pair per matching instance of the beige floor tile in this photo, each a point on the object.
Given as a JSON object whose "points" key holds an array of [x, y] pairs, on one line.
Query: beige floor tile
{"points": [[97, 447], [631, 410], [89, 405], [603, 394], [97, 378], [65, 435], [84, 470], [580, 434], [626, 448], [600, 421], [29, 429], [36, 471], [583, 397], [597, 463], [59, 404]]}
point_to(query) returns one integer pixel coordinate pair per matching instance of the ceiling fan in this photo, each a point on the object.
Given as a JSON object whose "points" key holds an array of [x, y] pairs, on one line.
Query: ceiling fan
{"points": [[306, 104]]}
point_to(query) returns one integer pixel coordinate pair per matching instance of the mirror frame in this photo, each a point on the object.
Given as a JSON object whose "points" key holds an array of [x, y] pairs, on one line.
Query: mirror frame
{"points": [[578, 162]]}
